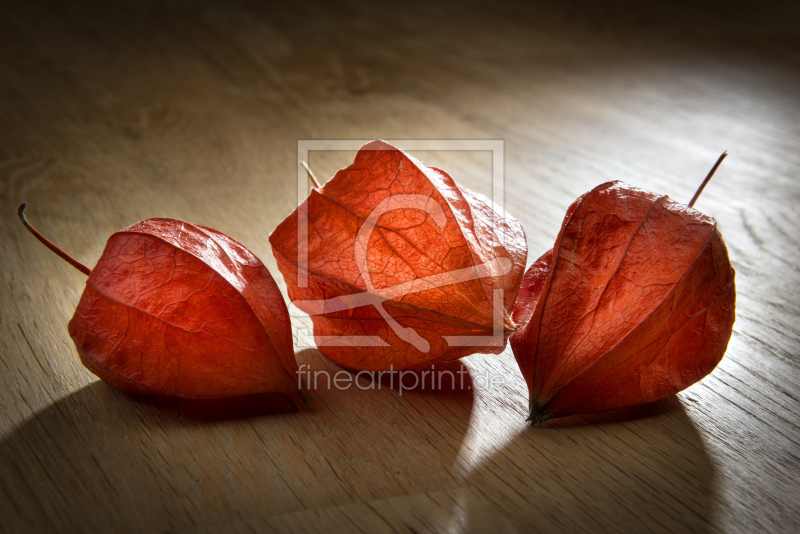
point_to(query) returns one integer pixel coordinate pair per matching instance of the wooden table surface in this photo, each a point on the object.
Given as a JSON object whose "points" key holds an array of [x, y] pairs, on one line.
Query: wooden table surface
{"points": [[193, 110]]}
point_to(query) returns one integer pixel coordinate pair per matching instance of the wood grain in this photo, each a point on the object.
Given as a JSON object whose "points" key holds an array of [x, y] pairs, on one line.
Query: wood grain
{"points": [[110, 114]]}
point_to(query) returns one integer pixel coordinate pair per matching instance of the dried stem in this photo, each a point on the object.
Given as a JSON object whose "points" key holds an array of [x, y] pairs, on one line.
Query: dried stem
{"points": [[710, 174], [49, 244], [311, 174]]}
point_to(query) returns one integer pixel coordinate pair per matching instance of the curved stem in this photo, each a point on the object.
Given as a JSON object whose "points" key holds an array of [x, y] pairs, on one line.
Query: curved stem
{"points": [[310, 174], [49, 244], [710, 174]]}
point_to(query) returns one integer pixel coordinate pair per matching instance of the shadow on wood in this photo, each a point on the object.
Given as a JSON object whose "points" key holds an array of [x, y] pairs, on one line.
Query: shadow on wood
{"points": [[220, 410], [116, 461], [623, 471]]}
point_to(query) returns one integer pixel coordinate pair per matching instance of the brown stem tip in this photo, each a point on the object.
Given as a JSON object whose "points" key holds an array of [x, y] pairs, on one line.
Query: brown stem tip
{"points": [[49, 244], [707, 179]]}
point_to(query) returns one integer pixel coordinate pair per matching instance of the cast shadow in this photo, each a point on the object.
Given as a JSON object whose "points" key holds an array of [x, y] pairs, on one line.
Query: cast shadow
{"points": [[635, 470], [101, 460], [220, 410]]}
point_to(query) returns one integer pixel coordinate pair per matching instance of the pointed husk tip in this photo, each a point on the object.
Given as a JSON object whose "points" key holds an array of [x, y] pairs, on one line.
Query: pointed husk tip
{"points": [[538, 412], [303, 395]]}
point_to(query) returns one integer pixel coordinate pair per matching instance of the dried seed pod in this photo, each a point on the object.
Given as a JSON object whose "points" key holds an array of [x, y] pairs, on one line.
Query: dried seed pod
{"points": [[173, 308], [636, 301]]}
